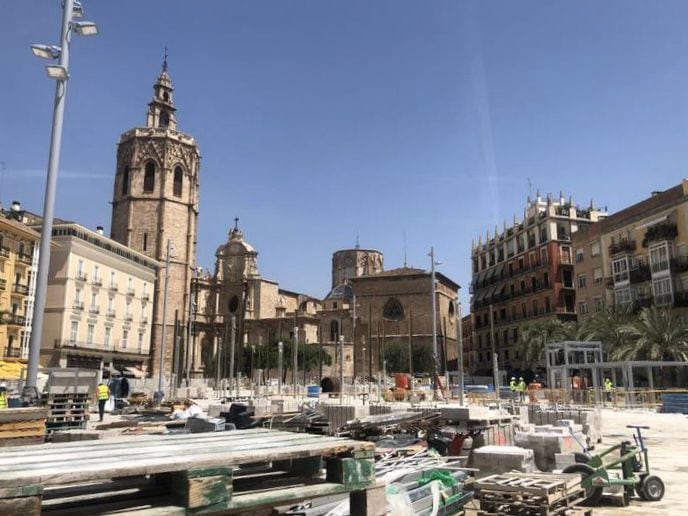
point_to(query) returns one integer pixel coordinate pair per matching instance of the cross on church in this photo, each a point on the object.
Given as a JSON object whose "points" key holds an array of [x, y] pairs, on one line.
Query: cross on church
{"points": [[236, 223], [164, 61]]}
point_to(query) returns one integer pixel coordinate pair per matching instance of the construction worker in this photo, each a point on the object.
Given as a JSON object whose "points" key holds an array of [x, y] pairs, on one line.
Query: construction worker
{"points": [[608, 385], [521, 389], [513, 387], [103, 396], [3, 395]]}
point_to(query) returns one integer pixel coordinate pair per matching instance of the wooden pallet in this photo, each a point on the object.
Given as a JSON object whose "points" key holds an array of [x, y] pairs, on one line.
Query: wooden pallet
{"points": [[22, 426], [191, 472], [529, 494]]}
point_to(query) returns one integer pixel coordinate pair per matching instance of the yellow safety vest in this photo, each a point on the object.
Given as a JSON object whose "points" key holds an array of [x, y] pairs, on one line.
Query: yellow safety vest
{"points": [[103, 393], [608, 385], [522, 387], [512, 386], [3, 400]]}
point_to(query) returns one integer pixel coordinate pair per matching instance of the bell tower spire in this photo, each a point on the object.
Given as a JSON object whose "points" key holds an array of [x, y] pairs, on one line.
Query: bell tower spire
{"points": [[161, 109]]}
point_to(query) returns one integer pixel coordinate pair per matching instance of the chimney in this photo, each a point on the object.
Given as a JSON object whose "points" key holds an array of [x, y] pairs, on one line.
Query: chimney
{"points": [[99, 230], [16, 206]]}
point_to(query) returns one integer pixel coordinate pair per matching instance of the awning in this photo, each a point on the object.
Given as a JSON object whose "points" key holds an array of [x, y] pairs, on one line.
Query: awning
{"points": [[481, 278], [490, 274], [498, 270], [136, 372], [479, 296]]}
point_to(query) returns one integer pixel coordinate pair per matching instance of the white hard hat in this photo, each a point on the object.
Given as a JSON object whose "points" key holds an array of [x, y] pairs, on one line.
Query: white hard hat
{"points": [[513, 377], [3, 384]]}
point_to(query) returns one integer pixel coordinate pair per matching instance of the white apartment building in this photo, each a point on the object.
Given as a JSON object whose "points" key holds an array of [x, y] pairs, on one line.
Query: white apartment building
{"points": [[99, 304]]}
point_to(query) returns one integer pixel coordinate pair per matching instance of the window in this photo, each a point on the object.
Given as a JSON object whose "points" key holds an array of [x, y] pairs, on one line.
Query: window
{"points": [[521, 263], [74, 332], [582, 281], [598, 303], [149, 177], [515, 334], [393, 310], [545, 279], [579, 255], [582, 308], [334, 331], [659, 258], [77, 296], [113, 280], [543, 234], [125, 337], [164, 119], [140, 343], [480, 341], [130, 284], [106, 337], [622, 296], [536, 307], [125, 181], [543, 256], [595, 249], [178, 178], [80, 268], [145, 241], [127, 311], [597, 276], [94, 301], [620, 270], [662, 291], [524, 310], [233, 304], [96, 273], [89, 333]]}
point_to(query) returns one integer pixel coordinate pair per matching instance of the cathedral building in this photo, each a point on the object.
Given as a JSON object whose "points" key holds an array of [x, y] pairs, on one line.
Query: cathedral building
{"points": [[155, 200]]}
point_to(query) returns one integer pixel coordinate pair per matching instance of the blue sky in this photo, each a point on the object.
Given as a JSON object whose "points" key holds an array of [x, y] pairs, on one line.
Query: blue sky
{"points": [[319, 120]]}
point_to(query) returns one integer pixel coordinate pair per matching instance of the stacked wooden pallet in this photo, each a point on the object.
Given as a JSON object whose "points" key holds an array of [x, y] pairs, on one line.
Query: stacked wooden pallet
{"points": [[242, 470], [526, 494], [22, 426], [67, 411]]}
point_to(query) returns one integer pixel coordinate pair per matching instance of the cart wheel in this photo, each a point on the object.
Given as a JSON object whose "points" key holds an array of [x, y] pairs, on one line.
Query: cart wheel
{"points": [[582, 457], [652, 488], [593, 494]]}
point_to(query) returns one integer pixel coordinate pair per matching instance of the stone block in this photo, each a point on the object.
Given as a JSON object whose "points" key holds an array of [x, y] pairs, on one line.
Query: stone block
{"points": [[491, 460]]}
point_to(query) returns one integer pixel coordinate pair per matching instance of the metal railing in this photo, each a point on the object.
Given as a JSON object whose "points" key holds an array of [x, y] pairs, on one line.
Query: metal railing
{"points": [[18, 288]]}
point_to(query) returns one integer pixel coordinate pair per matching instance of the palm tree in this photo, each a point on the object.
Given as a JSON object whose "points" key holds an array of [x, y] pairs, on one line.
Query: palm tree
{"points": [[612, 327], [656, 335], [534, 338]]}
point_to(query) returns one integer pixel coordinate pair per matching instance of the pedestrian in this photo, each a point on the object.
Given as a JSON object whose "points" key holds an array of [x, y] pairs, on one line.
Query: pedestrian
{"points": [[3, 395], [103, 396], [521, 389]]}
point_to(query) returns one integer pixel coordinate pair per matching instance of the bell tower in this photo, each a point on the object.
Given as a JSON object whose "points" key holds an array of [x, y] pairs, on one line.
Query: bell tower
{"points": [[155, 198]]}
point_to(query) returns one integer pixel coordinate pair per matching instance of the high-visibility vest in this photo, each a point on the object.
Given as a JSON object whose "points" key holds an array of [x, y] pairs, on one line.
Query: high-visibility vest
{"points": [[512, 386], [3, 400], [522, 386], [103, 392], [608, 385]]}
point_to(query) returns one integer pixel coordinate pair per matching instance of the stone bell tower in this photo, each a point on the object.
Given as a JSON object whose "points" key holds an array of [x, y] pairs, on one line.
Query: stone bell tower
{"points": [[155, 198]]}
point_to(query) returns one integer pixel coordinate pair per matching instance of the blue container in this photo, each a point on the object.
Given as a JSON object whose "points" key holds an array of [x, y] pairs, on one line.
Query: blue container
{"points": [[313, 391]]}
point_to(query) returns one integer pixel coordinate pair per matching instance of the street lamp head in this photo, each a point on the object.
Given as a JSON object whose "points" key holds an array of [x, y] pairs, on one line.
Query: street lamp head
{"points": [[46, 51], [57, 72], [85, 28]]}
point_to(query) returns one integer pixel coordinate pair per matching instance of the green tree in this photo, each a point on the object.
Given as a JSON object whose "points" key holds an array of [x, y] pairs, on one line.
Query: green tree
{"points": [[612, 327], [655, 335], [396, 355], [534, 338], [267, 357]]}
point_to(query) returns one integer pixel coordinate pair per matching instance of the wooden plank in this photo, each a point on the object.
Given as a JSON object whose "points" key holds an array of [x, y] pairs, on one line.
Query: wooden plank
{"points": [[22, 414], [208, 444], [135, 463], [21, 425], [284, 495]]}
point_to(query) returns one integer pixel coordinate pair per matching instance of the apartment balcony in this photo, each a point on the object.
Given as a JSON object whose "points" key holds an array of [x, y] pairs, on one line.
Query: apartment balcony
{"points": [[4, 252], [94, 310], [128, 318], [144, 320], [131, 291], [640, 274], [25, 258], [16, 320], [679, 264], [666, 230], [660, 266], [113, 287], [110, 313], [664, 300], [3, 284], [12, 352], [565, 260], [622, 246], [98, 282], [80, 276], [568, 286], [22, 290], [146, 296], [78, 305]]}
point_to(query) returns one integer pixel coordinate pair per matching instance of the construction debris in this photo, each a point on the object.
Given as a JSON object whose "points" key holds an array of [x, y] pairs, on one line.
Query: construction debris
{"points": [[22, 426]]}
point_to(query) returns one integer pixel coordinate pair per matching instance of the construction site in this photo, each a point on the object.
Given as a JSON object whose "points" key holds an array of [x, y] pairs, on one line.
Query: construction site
{"points": [[398, 446]]}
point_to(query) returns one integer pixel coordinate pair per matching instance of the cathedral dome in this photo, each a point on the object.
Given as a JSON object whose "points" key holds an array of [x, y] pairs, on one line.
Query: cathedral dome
{"points": [[340, 292]]}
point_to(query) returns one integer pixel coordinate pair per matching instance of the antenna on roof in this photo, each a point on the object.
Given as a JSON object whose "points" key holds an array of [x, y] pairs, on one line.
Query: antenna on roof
{"points": [[405, 262], [358, 245]]}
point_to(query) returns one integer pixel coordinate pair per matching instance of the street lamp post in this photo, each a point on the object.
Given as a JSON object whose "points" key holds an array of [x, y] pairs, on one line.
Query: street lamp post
{"points": [[161, 377], [60, 72], [435, 355]]}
